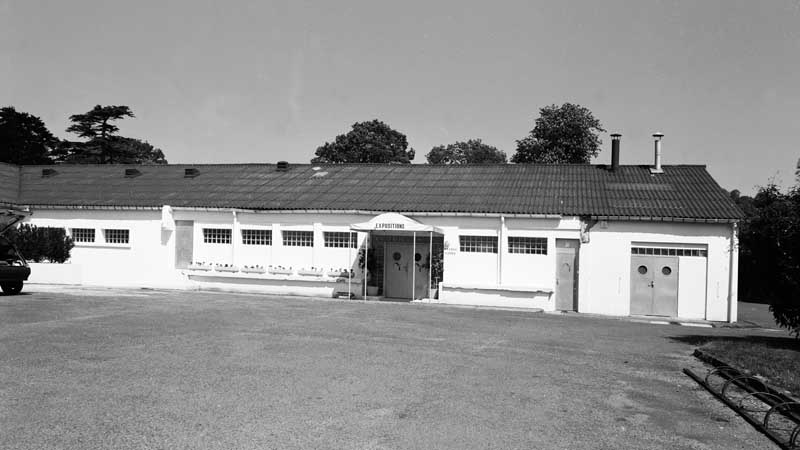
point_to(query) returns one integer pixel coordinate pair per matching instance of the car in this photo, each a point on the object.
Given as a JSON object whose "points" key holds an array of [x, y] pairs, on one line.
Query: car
{"points": [[14, 270]]}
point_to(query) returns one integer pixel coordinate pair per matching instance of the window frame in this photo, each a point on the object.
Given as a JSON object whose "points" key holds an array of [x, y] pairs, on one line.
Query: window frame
{"points": [[297, 238], [125, 231], [76, 235], [471, 243], [257, 237], [338, 239], [527, 245], [217, 236]]}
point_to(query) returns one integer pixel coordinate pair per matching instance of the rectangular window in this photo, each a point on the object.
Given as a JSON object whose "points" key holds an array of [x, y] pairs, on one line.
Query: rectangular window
{"points": [[478, 244], [257, 237], [83, 234], [340, 239], [217, 235], [527, 245], [669, 251], [298, 238], [117, 236]]}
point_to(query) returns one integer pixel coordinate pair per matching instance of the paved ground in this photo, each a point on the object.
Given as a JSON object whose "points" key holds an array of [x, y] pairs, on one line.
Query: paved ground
{"points": [[85, 369]]}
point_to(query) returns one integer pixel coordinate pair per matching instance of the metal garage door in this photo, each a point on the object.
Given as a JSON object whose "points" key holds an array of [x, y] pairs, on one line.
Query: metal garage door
{"points": [[654, 285]]}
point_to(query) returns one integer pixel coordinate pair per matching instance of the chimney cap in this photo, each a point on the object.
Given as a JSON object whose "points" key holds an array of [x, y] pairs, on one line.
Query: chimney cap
{"points": [[615, 135], [658, 135]]}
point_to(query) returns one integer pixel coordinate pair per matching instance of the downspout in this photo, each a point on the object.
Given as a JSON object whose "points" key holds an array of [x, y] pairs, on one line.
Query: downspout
{"points": [[500, 237], [587, 223], [733, 274]]}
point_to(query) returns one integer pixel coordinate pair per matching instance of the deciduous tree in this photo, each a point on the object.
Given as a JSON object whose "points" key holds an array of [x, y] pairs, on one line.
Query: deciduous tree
{"points": [[472, 151], [24, 138], [367, 142], [566, 134]]}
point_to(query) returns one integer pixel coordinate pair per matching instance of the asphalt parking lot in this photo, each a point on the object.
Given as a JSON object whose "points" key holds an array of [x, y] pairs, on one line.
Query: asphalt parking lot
{"points": [[95, 368]]}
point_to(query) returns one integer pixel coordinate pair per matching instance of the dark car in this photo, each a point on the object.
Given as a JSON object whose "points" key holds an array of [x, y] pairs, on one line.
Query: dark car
{"points": [[13, 268]]}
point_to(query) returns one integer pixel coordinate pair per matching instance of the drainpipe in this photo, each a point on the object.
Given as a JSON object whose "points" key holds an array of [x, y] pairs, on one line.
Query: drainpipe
{"points": [[234, 238], [500, 247], [733, 274]]}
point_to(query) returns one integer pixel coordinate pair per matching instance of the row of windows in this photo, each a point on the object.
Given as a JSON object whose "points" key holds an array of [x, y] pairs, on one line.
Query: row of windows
{"points": [[110, 236], [668, 251], [516, 244], [334, 239]]}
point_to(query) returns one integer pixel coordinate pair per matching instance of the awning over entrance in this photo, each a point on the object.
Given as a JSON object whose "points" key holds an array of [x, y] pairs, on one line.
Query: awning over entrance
{"points": [[394, 222]]}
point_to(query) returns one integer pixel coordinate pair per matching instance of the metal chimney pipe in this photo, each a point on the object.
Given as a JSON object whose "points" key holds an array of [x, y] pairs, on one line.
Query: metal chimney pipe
{"points": [[657, 163], [615, 151]]}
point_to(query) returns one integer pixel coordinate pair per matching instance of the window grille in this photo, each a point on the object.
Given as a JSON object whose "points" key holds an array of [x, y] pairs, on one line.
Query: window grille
{"points": [[478, 244], [216, 235], [117, 236], [83, 234], [298, 238], [257, 237], [527, 245], [669, 251], [340, 239]]}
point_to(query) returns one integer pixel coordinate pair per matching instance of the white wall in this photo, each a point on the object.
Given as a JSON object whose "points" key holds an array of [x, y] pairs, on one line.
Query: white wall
{"points": [[148, 260], [604, 271], [604, 262]]}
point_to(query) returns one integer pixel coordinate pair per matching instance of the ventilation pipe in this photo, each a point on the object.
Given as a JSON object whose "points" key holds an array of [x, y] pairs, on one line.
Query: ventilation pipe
{"points": [[615, 151], [657, 163]]}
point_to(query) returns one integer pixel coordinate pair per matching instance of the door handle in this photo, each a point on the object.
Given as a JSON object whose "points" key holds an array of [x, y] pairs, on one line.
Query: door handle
{"points": [[652, 284]]}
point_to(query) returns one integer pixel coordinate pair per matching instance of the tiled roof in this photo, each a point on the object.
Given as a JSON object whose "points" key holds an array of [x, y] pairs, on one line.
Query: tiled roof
{"points": [[9, 184], [680, 192]]}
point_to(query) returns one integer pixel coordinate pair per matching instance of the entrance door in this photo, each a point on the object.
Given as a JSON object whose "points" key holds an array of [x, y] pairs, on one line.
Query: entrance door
{"points": [[566, 274], [184, 243], [397, 267], [654, 285], [421, 262]]}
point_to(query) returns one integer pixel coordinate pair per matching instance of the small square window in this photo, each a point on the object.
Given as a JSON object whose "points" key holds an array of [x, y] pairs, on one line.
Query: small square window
{"points": [[298, 238], [257, 237], [117, 236], [83, 234], [216, 235]]}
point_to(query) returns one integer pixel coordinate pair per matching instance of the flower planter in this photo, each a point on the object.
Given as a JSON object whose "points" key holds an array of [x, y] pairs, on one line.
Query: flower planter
{"points": [[226, 269], [340, 274], [253, 270], [310, 273], [202, 267], [372, 291], [277, 271]]}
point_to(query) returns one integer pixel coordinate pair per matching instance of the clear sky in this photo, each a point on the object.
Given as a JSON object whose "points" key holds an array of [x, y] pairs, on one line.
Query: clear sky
{"points": [[236, 81]]}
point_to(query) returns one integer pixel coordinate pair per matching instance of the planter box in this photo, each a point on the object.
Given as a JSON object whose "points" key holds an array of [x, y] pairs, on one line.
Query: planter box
{"points": [[199, 267], [226, 269], [276, 271], [338, 274], [310, 273], [253, 270]]}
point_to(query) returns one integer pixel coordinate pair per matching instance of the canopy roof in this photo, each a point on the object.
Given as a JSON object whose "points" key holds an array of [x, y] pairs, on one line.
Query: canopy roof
{"points": [[394, 223]]}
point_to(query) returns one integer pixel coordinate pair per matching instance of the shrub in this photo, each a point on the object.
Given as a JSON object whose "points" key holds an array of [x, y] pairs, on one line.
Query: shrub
{"points": [[770, 253], [39, 244]]}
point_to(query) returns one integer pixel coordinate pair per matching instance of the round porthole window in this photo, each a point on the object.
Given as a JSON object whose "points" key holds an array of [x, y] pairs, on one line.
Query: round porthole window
{"points": [[666, 270], [642, 270], [417, 257], [396, 256]]}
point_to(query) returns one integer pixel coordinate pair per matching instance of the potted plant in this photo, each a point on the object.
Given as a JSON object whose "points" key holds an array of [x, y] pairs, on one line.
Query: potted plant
{"points": [[369, 273]]}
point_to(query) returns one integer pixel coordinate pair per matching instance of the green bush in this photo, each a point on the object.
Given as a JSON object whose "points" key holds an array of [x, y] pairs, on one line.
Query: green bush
{"points": [[39, 244], [770, 254]]}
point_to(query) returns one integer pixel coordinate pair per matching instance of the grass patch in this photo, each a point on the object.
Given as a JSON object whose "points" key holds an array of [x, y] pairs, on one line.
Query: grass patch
{"points": [[776, 359]]}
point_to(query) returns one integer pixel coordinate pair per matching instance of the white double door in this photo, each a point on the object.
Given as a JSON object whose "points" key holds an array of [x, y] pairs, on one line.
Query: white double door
{"points": [[402, 267]]}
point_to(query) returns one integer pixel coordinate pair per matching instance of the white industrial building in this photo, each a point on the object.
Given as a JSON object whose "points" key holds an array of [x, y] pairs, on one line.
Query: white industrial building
{"points": [[604, 239]]}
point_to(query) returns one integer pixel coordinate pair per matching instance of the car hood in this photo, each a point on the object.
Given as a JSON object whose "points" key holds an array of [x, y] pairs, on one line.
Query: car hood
{"points": [[9, 218]]}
